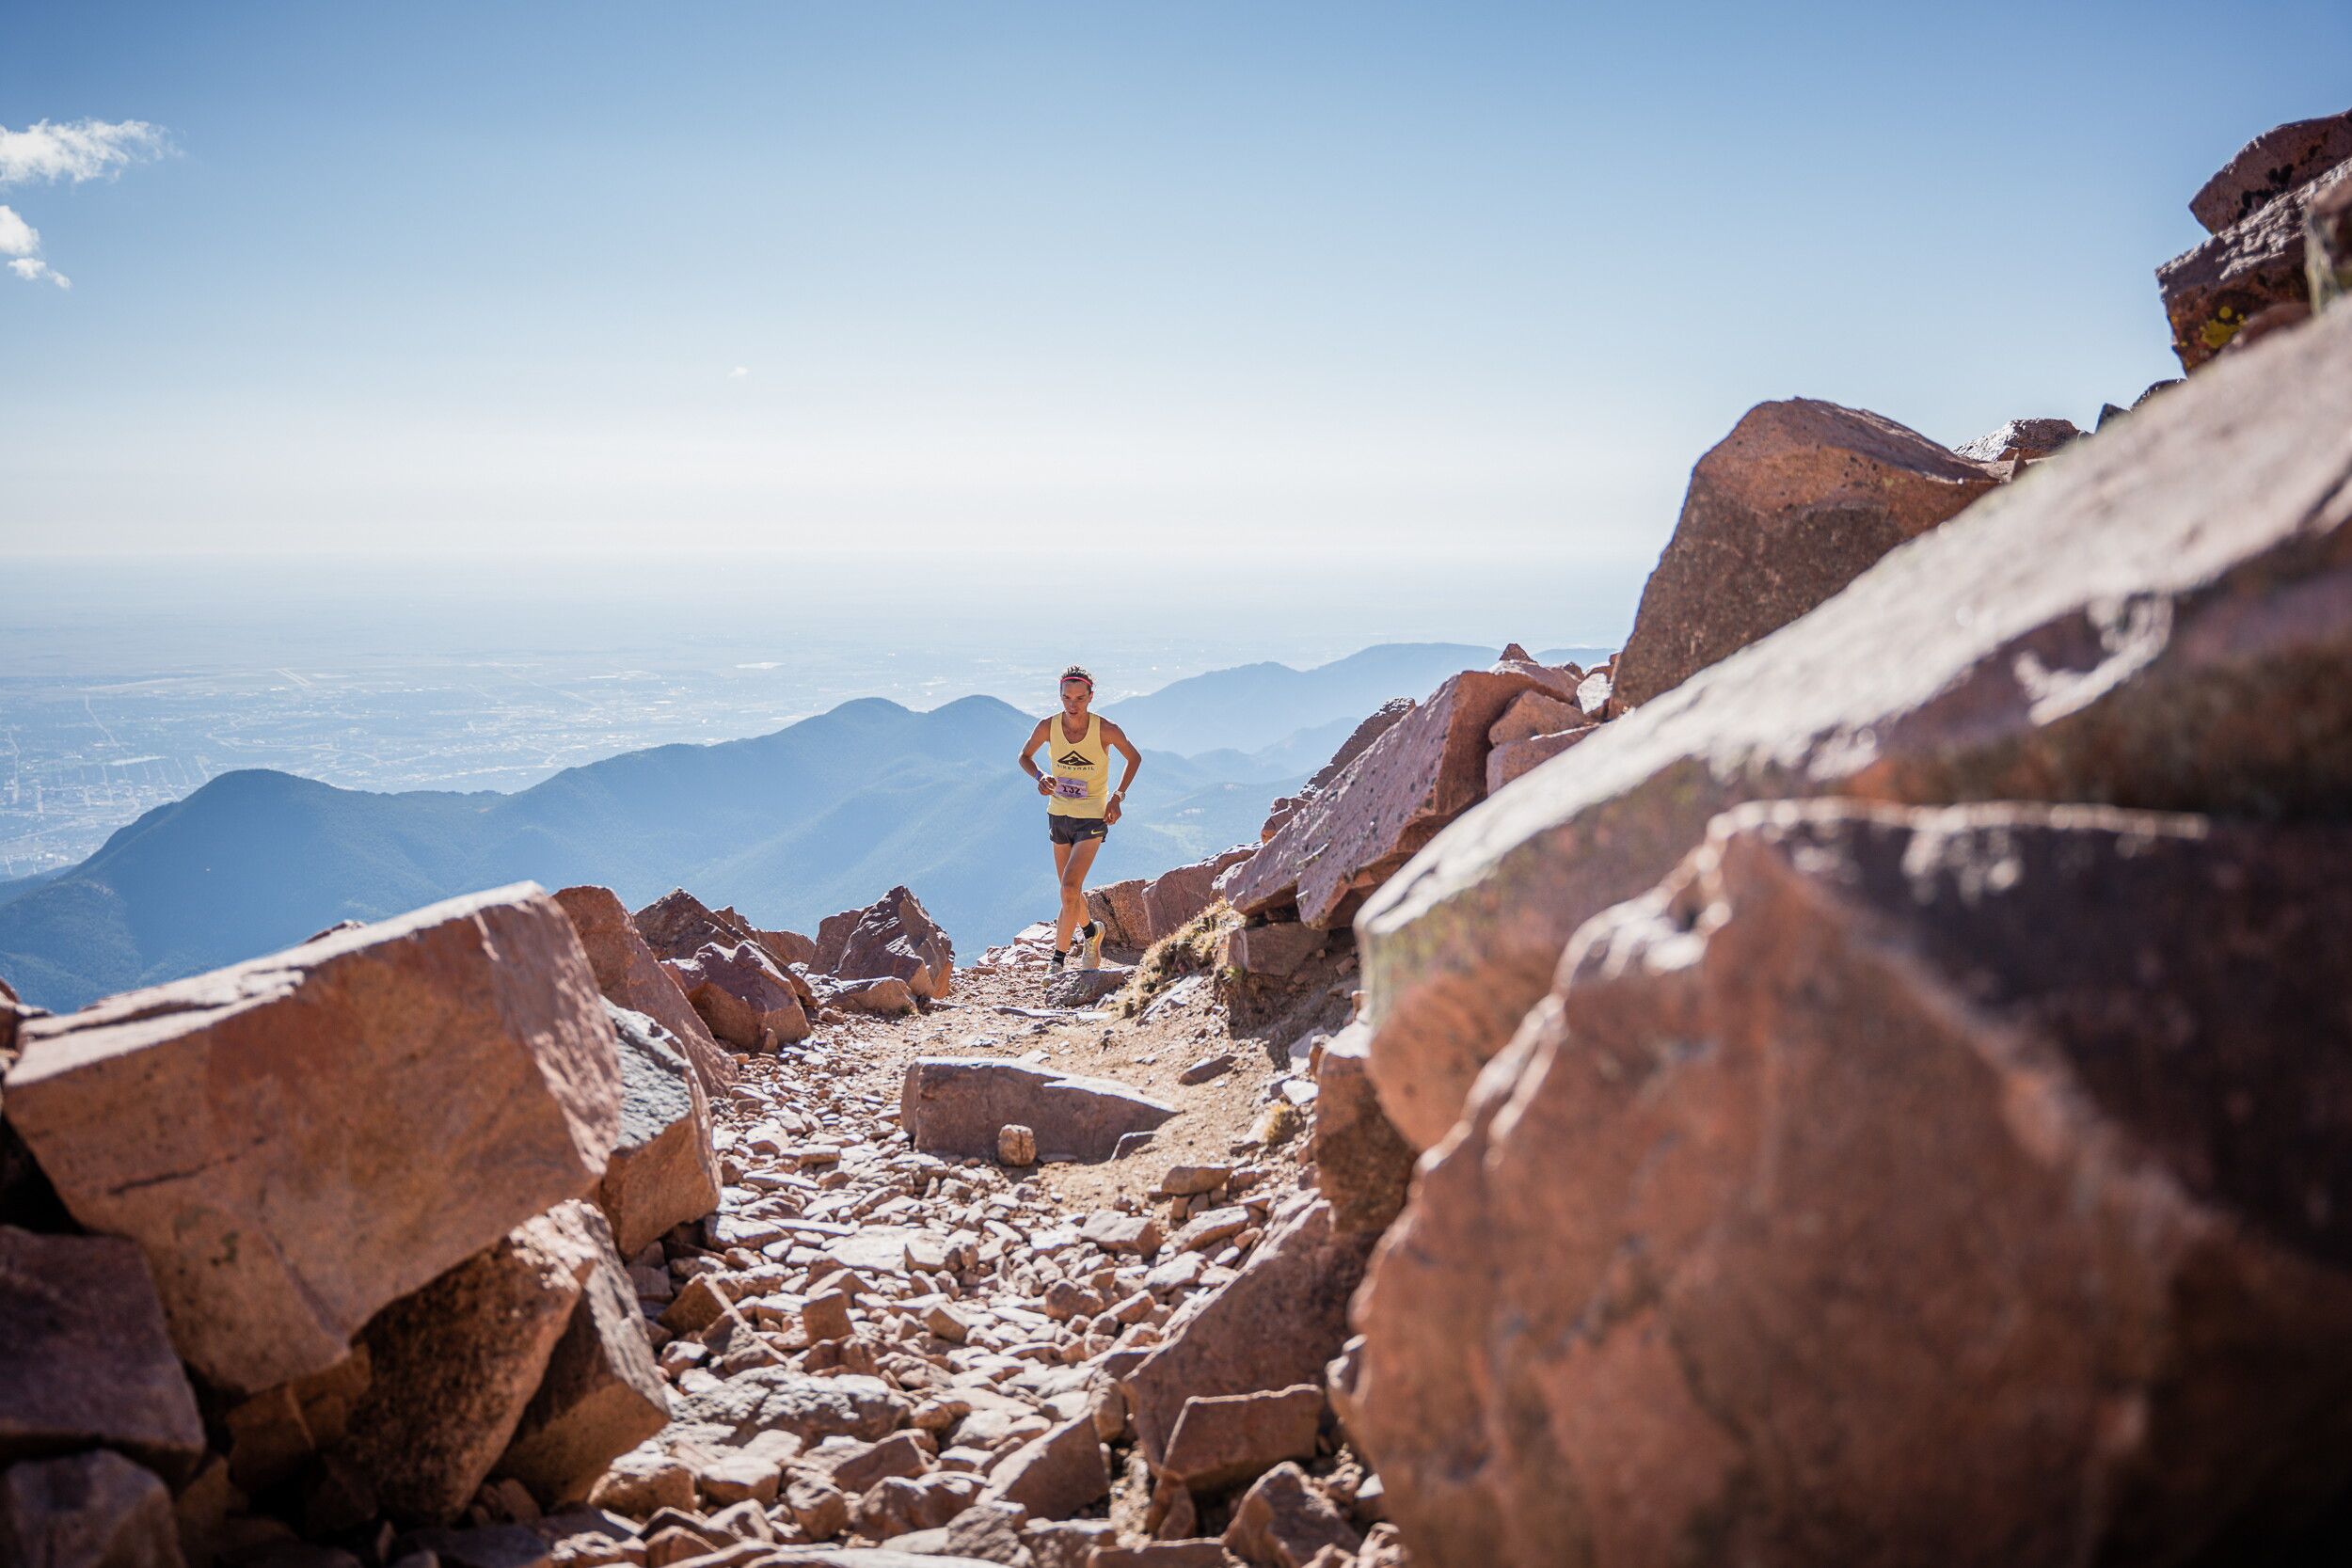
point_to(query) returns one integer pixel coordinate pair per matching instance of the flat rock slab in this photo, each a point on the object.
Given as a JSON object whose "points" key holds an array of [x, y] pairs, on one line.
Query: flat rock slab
{"points": [[776, 1398], [1223, 1439], [1346, 839], [663, 1170], [875, 1247], [1077, 988], [298, 1140], [85, 1358], [2154, 616], [2268, 166], [957, 1105]]}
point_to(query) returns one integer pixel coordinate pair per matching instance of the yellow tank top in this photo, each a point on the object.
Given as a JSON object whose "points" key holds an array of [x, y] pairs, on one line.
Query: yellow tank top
{"points": [[1081, 770]]}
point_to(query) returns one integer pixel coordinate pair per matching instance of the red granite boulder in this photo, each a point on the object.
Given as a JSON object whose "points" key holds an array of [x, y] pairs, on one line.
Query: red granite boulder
{"points": [[2270, 166], [2160, 619], [1896, 1186], [632, 976], [456, 1364], [2212, 291], [298, 1140], [1347, 838], [740, 993], [896, 938], [1796, 502]]}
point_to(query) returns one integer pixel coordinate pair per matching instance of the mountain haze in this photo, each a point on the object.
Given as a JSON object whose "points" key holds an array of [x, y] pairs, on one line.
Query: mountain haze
{"points": [[822, 815]]}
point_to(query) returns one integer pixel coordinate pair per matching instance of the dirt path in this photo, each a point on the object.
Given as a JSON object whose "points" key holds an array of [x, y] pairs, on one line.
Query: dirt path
{"points": [[970, 1310]]}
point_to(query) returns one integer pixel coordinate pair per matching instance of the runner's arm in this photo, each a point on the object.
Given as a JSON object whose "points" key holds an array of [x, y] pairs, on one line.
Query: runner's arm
{"points": [[1028, 749], [1116, 737]]}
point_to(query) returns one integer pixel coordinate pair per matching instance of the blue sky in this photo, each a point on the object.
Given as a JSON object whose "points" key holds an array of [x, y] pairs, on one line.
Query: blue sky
{"points": [[1163, 282]]}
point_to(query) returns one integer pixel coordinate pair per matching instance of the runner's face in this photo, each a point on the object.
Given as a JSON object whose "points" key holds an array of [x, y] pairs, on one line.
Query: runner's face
{"points": [[1076, 695]]}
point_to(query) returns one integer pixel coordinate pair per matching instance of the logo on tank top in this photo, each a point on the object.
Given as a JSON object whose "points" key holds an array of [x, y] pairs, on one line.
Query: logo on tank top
{"points": [[1073, 759]]}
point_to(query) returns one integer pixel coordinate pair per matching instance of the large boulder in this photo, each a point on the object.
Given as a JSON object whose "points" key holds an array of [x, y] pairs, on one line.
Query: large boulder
{"points": [[2212, 291], [2158, 617], [1796, 502], [1273, 1325], [895, 937], [85, 1358], [2273, 164], [1139, 912], [1347, 838], [740, 993], [1897, 1186], [663, 1170], [630, 975], [677, 924], [957, 1105], [456, 1364], [298, 1140], [601, 1394], [833, 939], [87, 1511], [1379, 721]]}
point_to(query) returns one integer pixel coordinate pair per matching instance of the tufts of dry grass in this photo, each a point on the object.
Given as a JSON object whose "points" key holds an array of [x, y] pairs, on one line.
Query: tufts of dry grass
{"points": [[1192, 948]]}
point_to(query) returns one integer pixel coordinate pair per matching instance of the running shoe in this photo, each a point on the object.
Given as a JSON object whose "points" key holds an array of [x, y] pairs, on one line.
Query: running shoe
{"points": [[1061, 962], [1092, 945]]}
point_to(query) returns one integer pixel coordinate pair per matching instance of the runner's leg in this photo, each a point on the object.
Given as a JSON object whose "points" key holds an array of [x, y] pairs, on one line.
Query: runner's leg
{"points": [[1074, 888], [1062, 921]]}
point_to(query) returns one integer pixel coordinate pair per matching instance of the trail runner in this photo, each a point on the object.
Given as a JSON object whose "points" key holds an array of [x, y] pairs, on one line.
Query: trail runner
{"points": [[1080, 807]]}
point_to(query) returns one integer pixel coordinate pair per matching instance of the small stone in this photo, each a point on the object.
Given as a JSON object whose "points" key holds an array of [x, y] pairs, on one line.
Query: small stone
{"points": [[1283, 1522], [820, 1507], [1016, 1144], [1206, 1230], [827, 1317], [1058, 1474], [1207, 1068], [1127, 1233], [1223, 1440], [946, 1322], [1188, 1181], [642, 1483], [736, 1476]]}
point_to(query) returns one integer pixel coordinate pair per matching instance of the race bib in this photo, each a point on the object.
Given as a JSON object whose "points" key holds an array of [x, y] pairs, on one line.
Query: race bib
{"points": [[1070, 789]]}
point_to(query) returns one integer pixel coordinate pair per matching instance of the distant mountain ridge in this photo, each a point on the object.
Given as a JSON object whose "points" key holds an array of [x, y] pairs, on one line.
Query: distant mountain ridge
{"points": [[818, 816]]}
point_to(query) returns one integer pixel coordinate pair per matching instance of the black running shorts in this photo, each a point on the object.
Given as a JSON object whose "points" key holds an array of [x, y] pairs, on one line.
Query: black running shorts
{"points": [[1074, 830]]}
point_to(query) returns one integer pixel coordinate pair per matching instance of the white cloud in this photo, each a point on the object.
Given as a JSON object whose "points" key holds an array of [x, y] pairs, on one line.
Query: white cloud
{"points": [[33, 270], [76, 150], [17, 237], [736, 374]]}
